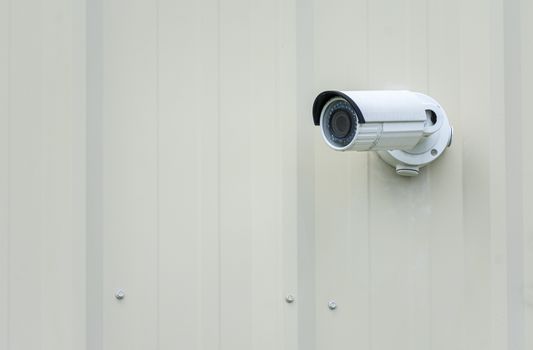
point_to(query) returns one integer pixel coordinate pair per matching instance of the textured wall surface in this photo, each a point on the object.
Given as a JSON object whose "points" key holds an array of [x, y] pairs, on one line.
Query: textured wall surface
{"points": [[166, 148]]}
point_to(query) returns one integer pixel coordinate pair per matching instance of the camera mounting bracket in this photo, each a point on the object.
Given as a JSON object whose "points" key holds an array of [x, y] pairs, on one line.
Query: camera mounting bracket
{"points": [[408, 163]]}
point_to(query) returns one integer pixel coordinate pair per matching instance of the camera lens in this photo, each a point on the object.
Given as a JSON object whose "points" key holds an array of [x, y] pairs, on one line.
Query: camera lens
{"points": [[341, 124]]}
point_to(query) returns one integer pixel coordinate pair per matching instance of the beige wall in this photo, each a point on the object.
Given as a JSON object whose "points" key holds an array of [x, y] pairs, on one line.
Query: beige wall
{"points": [[166, 147], [42, 175]]}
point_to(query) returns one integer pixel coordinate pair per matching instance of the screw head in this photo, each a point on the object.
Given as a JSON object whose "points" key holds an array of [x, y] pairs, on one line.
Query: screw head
{"points": [[119, 294], [332, 305], [290, 299]]}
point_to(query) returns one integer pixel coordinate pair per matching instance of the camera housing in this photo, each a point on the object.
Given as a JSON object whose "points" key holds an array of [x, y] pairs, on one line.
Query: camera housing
{"points": [[409, 130]]}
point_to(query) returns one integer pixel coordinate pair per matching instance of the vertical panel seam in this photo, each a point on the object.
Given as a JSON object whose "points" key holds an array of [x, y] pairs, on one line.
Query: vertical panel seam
{"points": [[42, 170], [514, 220], [218, 218], [157, 185], [278, 235], [368, 199], [369, 271], [8, 178], [429, 245]]}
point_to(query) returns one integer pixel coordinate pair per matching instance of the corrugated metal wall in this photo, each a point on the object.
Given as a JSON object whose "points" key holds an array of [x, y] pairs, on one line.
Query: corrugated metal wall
{"points": [[166, 148], [42, 175]]}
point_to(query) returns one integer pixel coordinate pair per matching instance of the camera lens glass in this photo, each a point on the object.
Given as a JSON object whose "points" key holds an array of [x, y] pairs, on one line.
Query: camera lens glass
{"points": [[339, 123]]}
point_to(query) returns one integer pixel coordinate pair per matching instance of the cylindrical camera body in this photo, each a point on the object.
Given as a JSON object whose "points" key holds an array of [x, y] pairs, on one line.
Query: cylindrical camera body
{"points": [[376, 120]]}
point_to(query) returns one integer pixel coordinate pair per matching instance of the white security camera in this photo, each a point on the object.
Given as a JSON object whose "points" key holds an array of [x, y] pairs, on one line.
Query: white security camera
{"points": [[409, 130]]}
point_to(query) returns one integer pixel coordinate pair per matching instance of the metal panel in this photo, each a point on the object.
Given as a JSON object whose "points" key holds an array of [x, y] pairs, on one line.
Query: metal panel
{"points": [[42, 234], [434, 247], [129, 174], [198, 207], [189, 284]]}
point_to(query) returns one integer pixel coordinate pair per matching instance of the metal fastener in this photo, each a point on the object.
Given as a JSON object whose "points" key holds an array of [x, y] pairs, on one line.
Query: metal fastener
{"points": [[119, 294], [332, 305], [289, 299]]}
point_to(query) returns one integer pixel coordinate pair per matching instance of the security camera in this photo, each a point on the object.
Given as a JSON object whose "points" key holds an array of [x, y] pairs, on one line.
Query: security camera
{"points": [[408, 129]]}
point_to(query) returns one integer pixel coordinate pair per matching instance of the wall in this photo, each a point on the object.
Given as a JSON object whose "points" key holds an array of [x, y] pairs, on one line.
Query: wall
{"points": [[42, 175], [166, 148], [192, 186]]}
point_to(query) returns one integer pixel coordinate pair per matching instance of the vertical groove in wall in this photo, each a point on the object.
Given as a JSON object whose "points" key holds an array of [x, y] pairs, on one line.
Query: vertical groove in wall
{"points": [[430, 262], [369, 317], [514, 171], [217, 268], [304, 19], [79, 338], [288, 128], [278, 176], [218, 169], [427, 318], [5, 40], [475, 101], [8, 173], [157, 179], [95, 194], [526, 23], [497, 149], [200, 190]]}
